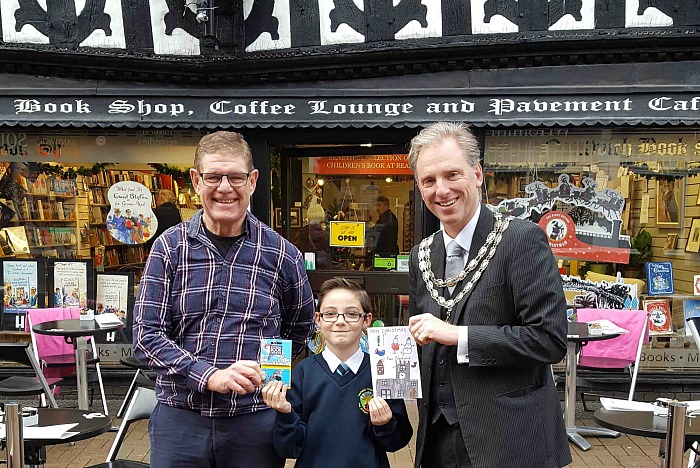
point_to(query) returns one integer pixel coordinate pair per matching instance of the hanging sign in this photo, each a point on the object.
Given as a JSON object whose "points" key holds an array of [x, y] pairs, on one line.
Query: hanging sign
{"points": [[130, 219], [566, 242], [347, 234], [375, 164]]}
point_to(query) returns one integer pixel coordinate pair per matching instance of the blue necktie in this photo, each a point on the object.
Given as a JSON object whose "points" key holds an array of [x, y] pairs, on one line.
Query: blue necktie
{"points": [[342, 369]]}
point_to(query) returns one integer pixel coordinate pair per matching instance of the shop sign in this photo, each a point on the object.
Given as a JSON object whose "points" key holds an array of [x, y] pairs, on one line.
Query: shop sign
{"points": [[670, 358], [347, 234], [352, 108], [378, 164], [113, 352], [175, 147]]}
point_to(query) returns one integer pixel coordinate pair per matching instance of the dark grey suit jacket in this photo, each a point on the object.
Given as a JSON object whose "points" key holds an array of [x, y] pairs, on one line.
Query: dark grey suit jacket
{"points": [[508, 409]]}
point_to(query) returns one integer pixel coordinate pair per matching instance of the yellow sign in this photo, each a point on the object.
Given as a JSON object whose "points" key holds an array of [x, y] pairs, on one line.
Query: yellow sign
{"points": [[347, 234]]}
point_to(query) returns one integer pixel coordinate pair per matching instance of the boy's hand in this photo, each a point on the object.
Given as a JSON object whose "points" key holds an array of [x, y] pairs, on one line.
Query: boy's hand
{"points": [[275, 396], [379, 411], [240, 377]]}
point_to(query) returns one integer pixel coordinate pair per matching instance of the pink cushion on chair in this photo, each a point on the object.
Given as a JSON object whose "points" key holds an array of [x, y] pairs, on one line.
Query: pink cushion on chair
{"points": [[616, 352], [47, 345]]}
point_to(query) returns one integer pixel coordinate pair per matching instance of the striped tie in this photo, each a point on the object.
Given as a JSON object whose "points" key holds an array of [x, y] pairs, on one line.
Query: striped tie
{"points": [[455, 261], [342, 369]]}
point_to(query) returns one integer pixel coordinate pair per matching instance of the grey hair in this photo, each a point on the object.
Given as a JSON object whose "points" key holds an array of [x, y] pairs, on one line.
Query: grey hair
{"points": [[441, 131]]}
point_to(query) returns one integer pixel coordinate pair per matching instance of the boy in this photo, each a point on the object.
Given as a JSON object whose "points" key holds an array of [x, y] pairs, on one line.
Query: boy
{"points": [[332, 391]]}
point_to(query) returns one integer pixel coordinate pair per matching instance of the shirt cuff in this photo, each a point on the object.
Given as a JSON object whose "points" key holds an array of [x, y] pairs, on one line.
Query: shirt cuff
{"points": [[200, 372], [463, 345]]}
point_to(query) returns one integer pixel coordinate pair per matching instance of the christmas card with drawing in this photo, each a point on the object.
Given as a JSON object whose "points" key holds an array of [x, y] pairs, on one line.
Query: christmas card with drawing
{"points": [[394, 362]]}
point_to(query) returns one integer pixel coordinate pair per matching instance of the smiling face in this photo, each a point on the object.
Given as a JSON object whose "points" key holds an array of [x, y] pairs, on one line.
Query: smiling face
{"points": [[450, 186], [342, 337], [225, 206]]}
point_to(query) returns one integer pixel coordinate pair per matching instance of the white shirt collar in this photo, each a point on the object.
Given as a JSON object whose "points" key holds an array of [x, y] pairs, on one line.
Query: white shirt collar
{"points": [[465, 236], [353, 363]]}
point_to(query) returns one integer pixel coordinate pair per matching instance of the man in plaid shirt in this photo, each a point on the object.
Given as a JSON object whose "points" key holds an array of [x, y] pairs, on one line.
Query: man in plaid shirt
{"points": [[212, 288]]}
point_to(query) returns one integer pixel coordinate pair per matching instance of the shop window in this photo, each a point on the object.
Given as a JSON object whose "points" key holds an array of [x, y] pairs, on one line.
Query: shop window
{"points": [[611, 201], [55, 202], [348, 212]]}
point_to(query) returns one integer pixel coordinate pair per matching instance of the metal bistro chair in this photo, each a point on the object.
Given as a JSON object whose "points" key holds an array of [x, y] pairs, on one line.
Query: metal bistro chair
{"points": [[141, 379], [58, 356], [142, 404], [18, 386], [618, 358]]}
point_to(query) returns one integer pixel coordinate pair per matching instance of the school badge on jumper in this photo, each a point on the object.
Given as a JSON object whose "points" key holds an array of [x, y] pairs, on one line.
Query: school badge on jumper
{"points": [[365, 396]]}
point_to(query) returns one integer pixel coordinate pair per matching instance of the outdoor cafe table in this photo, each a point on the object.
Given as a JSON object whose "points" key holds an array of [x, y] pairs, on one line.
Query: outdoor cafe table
{"points": [[644, 423], [75, 332], [89, 425], [577, 337]]}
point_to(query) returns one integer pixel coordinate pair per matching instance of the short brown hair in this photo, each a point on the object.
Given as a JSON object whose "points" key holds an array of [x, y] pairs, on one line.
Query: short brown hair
{"points": [[230, 143], [343, 283]]}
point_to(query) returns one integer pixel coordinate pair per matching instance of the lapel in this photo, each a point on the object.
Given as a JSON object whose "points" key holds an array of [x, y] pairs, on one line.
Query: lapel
{"points": [[483, 228], [437, 263]]}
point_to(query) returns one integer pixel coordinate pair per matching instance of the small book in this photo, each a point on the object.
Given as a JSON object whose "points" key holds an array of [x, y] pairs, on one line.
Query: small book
{"points": [[659, 278], [660, 316], [276, 360]]}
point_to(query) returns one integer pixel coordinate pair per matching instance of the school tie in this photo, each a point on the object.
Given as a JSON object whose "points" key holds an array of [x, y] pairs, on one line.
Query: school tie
{"points": [[342, 369], [454, 262]]}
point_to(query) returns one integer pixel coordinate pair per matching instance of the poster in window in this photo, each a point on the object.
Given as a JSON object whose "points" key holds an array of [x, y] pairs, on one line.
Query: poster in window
{"points": [[70, 283], [115, 295], [669, 202], [693, 244], [24, 287]]}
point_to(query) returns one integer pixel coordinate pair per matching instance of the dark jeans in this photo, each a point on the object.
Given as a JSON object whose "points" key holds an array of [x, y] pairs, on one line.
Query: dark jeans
{"points": [[184, 438], [444, 447]]}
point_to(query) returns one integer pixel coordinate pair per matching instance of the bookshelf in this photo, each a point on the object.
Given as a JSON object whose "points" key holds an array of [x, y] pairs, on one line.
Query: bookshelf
{"points": [[47, 210]]}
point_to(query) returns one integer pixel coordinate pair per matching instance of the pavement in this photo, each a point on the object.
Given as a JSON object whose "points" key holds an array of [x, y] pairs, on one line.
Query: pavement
{"points": [[624, 451]]}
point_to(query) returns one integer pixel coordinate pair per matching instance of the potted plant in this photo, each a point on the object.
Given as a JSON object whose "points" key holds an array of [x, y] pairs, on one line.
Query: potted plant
{"points": [[640, 254]]}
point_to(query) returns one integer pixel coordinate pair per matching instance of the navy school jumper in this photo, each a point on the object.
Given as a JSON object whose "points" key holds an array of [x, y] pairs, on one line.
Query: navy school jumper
{"points": [[330, 425]]}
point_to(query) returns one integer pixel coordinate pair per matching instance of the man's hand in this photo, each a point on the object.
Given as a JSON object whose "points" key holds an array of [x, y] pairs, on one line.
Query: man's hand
{"points": [[240, 377], [379, 411], [275, 396], [427, 328]]}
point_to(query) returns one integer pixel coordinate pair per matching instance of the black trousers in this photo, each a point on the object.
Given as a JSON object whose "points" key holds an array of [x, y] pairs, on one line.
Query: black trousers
{"points": [[444, 446]]}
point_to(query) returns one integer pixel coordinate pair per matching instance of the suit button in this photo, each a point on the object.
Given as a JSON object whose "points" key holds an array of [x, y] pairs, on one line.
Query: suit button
{"points": [[483, 360], [442, 404], [430, 367], [425, 405], [495, 361], [441, 383], [488, 361], [442, 361]]}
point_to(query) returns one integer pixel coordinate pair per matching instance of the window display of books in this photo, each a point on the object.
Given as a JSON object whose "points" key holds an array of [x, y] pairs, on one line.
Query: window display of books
{"points": [[46, 209]]}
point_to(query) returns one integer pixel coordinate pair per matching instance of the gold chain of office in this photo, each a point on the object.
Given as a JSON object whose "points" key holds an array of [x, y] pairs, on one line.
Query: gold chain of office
{"points": [[478, 263]]}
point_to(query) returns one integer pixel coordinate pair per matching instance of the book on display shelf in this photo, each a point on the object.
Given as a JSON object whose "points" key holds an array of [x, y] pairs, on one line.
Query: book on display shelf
{"points": [[660, 321]]}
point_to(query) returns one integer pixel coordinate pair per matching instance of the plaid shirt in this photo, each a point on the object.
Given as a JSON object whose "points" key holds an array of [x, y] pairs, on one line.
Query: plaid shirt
{"points": [[197, 311]]}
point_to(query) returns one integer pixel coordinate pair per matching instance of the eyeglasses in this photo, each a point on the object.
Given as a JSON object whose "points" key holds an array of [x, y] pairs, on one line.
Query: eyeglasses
{"points": [[235, 179], [348, 316]]}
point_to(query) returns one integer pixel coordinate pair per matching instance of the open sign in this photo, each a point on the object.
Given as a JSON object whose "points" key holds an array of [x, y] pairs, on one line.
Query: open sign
{"points": [[347, 234]]}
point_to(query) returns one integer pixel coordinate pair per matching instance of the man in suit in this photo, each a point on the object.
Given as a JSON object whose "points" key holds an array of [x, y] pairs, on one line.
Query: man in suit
{"points": [[489, 315], [387, 228]]}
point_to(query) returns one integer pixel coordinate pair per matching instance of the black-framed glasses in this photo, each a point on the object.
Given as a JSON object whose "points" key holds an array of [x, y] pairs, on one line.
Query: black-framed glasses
{"points": [[235, 179], [347, 316]]}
